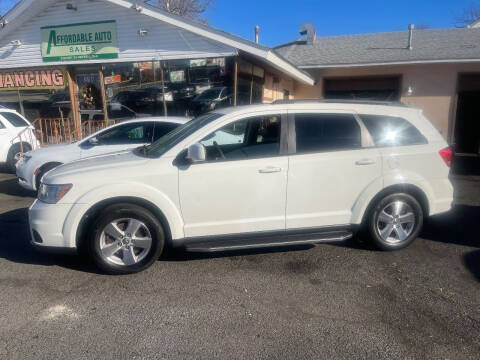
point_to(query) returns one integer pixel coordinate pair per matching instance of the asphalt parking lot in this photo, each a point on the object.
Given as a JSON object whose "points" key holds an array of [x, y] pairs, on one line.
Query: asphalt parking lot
{"points": [[331, 301]]}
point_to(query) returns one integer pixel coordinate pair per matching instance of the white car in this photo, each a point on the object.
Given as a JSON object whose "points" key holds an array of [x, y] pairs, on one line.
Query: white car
{"points": [[16, 134], [304, 173], [125, 135]]}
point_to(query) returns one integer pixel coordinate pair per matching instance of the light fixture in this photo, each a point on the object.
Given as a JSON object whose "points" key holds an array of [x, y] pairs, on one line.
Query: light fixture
{"points": [[71, 6], [16, 42], [3, 23], [138, 7], [142, 32], [409, 91]]}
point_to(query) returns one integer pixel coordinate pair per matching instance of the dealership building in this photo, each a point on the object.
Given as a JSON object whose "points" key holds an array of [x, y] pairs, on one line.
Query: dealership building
{"points": [[112, 59]]}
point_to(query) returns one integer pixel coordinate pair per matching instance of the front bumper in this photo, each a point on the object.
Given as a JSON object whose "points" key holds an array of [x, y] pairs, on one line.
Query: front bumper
{"points": [[47, 225], [26, 177]]}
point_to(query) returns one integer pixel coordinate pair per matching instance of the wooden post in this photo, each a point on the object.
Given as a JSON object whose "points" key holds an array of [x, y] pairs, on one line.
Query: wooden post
{"points": [[104, 95], [72, 88], [251, 88], [163, 90], [235, 82]]}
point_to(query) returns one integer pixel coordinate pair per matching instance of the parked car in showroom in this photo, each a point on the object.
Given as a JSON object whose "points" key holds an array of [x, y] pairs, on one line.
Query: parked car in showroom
{"points": [[341, 165], [11, 143], [125, 135], [211, 99]]}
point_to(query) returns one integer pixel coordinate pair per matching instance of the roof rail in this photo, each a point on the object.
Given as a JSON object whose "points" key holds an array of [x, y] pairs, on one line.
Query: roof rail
{"points": [[341, 101]]}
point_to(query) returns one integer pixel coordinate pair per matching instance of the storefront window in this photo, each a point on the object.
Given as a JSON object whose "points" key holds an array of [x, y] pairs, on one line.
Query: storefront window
{"points": [[170, 87]]}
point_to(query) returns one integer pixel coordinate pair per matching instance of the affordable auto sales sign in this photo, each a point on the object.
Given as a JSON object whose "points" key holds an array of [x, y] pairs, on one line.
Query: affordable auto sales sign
{"points": [[82, 41]]}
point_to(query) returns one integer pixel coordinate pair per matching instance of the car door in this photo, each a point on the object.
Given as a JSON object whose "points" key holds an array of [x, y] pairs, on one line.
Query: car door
{"points": [[332, 161], [118, 138], [241, 187]]}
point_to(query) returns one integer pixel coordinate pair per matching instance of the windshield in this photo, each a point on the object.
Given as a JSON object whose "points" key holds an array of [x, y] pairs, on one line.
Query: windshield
{"points": [[165, 143], [213, 93]]}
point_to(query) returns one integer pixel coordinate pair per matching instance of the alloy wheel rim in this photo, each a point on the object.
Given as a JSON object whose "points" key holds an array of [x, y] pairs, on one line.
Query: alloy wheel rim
{"points": [[396, 222], [125, 241]]}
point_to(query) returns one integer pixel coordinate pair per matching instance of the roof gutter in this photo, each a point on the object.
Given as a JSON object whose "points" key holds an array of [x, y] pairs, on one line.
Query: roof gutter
{"points": [[388, 63]]}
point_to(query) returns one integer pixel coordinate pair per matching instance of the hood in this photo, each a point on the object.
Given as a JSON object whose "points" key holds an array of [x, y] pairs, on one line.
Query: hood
{"points": [[50, 149], [113, 164]]}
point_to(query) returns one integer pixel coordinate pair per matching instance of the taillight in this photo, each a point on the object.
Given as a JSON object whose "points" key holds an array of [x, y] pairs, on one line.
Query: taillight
{"points": [[446, 155]]}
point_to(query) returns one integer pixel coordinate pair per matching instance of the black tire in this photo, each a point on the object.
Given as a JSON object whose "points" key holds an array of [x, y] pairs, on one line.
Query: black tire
{"points": [[121, 211], [43, 170], [403, 233], [14, 150]]}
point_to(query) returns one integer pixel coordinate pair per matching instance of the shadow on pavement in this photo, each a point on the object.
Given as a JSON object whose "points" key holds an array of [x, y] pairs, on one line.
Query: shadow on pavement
{"points": [[15, 245], [459, 226], [11, 187]]}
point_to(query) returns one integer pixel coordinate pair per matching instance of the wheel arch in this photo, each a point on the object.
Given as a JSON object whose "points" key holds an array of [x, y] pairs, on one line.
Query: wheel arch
{"points": [[90, 215], [418, 193], [42, 168]]}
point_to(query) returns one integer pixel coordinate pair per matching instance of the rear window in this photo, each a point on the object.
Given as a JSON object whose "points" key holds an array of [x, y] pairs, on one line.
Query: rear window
{"points": [[326, 132], [392, 131], [14, 119]]}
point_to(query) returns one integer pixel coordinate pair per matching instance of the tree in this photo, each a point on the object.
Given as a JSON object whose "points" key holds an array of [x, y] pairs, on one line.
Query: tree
{"points": [[191, 9], [469, 15]]}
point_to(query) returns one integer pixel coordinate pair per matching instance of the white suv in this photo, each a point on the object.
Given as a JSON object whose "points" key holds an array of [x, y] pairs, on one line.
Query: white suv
{"points": [[255, 176], [11, 144]]}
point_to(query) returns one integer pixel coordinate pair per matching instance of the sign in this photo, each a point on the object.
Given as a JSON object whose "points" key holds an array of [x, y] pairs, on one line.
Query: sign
{"points": [[112, 79], [82, 41], [177, 76], [32, 79]]}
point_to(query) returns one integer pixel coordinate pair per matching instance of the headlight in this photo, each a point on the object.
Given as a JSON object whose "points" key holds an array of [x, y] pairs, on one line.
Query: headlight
{"points": [[51, 194]]}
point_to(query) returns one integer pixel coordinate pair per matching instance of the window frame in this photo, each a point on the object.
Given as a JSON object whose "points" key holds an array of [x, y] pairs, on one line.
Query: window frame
{"points": [[283, 149], [365, 137]]}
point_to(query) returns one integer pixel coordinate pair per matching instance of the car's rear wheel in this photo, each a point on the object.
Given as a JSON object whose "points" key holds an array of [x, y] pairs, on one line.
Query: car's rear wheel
{"points": [[126, 238], [15, 153], [395, 221]]}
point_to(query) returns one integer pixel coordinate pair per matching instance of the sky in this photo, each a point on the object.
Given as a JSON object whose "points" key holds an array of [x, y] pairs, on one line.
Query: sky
{"points": [[280, 20]]}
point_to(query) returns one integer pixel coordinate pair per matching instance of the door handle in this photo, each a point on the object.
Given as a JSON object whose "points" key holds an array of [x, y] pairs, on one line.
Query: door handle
{"points": [[365, 162], [270, 169]]}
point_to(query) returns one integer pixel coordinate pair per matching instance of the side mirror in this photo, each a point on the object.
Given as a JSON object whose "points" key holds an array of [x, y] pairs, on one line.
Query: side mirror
{"points": [[93, 141], [196, 153]]}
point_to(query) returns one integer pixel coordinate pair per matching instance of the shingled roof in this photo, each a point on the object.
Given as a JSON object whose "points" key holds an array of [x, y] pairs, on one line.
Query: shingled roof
{"points": [[441, 45]]}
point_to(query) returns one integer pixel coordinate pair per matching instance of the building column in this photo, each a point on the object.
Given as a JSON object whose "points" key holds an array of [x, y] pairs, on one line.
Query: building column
{"points": [[72, 88]]}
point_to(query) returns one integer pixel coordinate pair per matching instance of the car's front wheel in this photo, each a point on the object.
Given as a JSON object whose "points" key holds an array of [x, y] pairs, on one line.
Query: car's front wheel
{"points": [[395, 221], [126, 238]]}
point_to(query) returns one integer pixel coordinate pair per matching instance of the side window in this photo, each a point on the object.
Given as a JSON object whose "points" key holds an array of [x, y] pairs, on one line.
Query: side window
{"points": [[162, 129], [250, 138], [14, 119], [136, 133], [326, 132], [392, 131]]}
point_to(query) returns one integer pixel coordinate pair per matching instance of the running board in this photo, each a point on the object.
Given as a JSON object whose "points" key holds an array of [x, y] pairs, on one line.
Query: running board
{"points": [[268, 241]]}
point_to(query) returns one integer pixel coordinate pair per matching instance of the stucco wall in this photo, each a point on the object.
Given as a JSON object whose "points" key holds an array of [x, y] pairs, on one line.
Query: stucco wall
{"points": [[274, 86], [434, 87]]}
